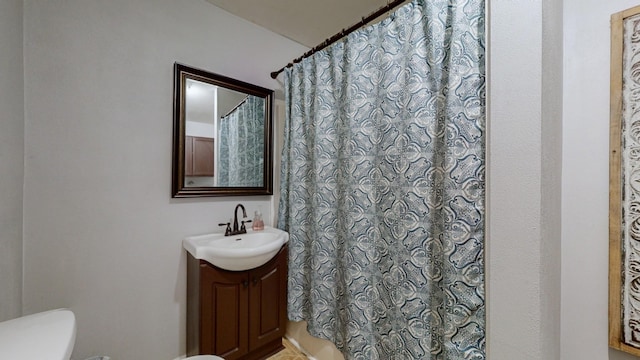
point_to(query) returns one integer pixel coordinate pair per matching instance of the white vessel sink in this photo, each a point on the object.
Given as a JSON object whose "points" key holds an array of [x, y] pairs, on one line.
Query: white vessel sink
{"points": [[237, 252]]}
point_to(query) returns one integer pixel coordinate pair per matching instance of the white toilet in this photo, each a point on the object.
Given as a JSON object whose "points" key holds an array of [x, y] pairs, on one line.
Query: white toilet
{"points": [[48, 335]]}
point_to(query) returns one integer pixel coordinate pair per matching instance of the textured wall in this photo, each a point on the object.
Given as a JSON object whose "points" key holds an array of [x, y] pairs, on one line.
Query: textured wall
{"points": [[585, 178], [102, 234], [551, 190], [514, 176], [11, 158]]}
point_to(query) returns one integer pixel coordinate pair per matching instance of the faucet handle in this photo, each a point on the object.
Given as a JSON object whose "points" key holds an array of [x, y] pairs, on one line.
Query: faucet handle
{"points": [[244, 228], [227, 231]]}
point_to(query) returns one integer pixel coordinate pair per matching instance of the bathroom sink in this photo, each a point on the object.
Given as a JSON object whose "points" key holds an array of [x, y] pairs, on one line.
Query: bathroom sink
{"points": [[237, 252]]}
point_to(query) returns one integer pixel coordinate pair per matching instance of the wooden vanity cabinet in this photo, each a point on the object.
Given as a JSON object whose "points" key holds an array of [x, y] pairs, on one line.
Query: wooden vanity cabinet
{"points": [[238, 315]]}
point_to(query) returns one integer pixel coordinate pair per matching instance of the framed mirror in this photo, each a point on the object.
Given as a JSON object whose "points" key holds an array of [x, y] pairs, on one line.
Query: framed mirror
{"points": [[222, 136]]}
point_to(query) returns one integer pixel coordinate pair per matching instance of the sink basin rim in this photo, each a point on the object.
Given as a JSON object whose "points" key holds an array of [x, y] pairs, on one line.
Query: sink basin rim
{"points": [[236, 258]]}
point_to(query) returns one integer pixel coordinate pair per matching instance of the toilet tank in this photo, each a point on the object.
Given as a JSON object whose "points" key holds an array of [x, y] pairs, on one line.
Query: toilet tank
{"points": [[48, 335]]}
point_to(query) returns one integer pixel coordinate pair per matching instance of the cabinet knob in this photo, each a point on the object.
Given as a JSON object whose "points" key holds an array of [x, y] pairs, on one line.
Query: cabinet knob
{"points": [[255, 281], [245, 283]]}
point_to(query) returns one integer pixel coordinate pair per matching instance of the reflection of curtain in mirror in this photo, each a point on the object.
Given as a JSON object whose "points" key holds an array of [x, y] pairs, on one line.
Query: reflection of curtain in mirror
{"points": [[241, 153]]}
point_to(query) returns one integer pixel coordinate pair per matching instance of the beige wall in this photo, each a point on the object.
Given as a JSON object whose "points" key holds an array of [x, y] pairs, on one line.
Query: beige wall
{"points": [[11, 158], [551, 177], [514, 181], [585, 174], [102, 234]]}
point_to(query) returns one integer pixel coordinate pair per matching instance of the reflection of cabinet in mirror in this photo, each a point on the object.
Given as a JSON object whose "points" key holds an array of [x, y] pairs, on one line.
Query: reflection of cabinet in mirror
{"points": [[238, 315], [198, 156]]}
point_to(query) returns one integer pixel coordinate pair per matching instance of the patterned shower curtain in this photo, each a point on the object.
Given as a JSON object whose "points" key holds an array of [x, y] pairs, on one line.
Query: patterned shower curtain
{"points": [[383, 186], [241, 145]]}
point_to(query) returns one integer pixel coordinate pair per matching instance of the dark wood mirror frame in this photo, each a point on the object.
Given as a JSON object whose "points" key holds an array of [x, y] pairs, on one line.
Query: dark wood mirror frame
{"points": [[179, 190]]}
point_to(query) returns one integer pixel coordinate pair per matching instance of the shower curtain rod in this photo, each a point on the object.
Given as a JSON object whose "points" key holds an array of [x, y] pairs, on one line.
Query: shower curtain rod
{"points": [[365, 20]]}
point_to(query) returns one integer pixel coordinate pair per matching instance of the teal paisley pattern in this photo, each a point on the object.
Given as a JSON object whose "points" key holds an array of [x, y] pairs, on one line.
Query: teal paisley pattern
{"points": [[241, 145], [383, 182]]}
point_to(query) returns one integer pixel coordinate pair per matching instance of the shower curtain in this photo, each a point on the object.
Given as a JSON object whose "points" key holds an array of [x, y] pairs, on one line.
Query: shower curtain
{"points": [[383, 186], [241, 145]]}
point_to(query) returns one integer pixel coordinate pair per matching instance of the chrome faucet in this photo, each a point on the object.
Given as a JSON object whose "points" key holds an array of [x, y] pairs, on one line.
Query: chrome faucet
{"points": [[235, 231]]}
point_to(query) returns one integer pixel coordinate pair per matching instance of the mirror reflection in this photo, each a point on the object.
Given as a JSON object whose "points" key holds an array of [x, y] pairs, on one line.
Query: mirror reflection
{"points": [[222, 136], [237, 121]]}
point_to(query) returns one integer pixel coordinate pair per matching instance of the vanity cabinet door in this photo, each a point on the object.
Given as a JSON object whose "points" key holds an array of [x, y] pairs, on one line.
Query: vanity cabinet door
{"points": [[268, 302], [202, 156], [198, 156], [223, 311], [188, 156], [237, 315]]}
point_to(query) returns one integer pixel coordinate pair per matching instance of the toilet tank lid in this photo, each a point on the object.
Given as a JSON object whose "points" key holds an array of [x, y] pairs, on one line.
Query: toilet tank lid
{"points": [[48, 335]]}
